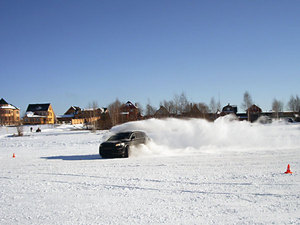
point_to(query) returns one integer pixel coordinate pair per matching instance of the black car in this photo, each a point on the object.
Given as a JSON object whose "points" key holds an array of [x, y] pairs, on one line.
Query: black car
{"points": [[119, 144]]}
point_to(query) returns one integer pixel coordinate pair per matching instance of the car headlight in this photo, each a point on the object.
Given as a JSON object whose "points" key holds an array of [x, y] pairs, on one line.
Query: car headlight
{"points": [[120, 145]]}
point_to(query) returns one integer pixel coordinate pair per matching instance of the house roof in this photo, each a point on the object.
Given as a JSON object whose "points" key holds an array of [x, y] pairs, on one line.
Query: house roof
{"points": [[3, 102], [195, 109], [66, 116], [130, 105], [8, 107], [5, 105], [229, 108], [254, 108], [75, 108], [38, 107], [162, 111], [32, 115], [96, 109]]}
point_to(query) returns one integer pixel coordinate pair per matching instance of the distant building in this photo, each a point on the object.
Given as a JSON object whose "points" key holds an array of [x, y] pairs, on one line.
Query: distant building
{"points": [[73, 110], [88, 116], [254, 112], [162, 112], [9, 114], [77, 115], [39, 114], [229, 109], [69, 115], [129, 112], [193, 112]]}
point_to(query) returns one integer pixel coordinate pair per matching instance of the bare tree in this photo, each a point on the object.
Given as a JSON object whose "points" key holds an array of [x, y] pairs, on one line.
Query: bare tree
{"points": [[165, 104], [92, 114], [219, 106], [183, 104], [204, 109], [150, 110], [140, 107], [277, 107], [247, 103], [114, 112], [178, 105], [93, 104], [170, 106], [174, 105], [213, 105], [105, 121], [294, 104]]}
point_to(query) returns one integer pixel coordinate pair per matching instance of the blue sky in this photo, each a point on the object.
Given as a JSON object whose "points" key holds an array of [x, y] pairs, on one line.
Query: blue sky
{"points": [[75, 52]]}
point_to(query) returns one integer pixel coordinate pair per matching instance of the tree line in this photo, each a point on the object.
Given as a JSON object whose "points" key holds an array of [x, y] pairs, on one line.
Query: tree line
{"points": [[180, 104]]}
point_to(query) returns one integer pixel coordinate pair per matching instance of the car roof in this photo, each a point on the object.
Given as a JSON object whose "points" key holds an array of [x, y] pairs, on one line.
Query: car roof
{"points": [[132, 132]]}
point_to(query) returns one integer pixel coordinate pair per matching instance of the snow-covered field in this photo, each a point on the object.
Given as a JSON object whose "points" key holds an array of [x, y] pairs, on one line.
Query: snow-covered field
{"points": [[193, 172]]}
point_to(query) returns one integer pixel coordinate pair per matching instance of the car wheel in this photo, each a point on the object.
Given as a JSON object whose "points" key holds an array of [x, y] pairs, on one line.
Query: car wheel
{"points": [[126, 154]]}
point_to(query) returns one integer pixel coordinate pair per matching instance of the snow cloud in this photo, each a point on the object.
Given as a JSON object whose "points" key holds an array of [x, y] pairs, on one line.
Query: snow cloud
{"points": [[177, 136]]}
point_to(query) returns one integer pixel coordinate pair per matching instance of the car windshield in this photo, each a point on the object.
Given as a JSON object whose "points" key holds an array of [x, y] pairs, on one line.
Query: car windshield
{"points": [[120, 136]]}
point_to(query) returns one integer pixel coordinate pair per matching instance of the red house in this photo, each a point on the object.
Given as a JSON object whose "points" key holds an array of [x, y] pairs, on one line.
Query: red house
{"points": [[129, 112]]}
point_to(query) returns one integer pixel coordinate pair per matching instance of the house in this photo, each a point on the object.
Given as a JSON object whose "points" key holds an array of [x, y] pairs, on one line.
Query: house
{"points": [[69, 115], [77, 115], [73, 110], [162, 112], [253, 113], [194, 112], [9, 114], [39, 114], [242, 116], [129, 112], [88, 116], [229, 109]]}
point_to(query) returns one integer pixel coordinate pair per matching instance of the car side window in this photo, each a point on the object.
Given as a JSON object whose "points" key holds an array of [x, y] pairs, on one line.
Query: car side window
{"points": [[138, 135], [132, 137]]}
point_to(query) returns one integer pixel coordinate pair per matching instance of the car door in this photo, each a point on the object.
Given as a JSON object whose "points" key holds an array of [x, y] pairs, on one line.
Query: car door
{"points": [[142, 138], [133, 139]]}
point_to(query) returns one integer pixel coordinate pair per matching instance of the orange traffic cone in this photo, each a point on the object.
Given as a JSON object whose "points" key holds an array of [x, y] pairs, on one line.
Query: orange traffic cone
{"points": [[14, 155], [288, 170]]}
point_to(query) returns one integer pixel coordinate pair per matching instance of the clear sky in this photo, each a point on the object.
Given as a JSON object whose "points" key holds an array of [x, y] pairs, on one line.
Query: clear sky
{"points": [[73, 52]]}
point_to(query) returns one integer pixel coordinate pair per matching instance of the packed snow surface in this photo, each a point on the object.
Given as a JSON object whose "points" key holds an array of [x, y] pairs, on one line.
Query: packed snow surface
{"points": [[192, 172]]}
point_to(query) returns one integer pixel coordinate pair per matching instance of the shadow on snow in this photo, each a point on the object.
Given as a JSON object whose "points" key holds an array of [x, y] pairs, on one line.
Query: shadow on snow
{"points": [[74, 157]]}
